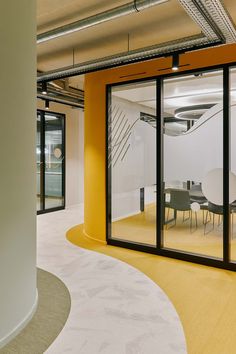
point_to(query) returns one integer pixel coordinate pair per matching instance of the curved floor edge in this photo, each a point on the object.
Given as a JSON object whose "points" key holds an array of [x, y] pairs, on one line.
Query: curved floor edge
{"points": [[169, 331], [23, 323], [202, 296], [48, 320]]}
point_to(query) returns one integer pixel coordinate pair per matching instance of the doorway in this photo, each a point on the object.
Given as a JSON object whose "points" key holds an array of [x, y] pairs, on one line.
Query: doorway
{"points": [[50, 153]]}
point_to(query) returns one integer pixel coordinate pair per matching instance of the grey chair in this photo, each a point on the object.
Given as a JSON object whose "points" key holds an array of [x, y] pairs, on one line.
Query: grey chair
{"points": [[180, 201], [215, 209], [196, 194]]}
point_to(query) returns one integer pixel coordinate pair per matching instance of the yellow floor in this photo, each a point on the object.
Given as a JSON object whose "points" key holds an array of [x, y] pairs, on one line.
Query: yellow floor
{"points": [[141, 228], [204, 297]]}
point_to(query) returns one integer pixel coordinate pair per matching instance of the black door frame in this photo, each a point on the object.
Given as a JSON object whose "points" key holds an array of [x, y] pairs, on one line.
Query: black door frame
{"points": [[158, 249], [42, 114]]}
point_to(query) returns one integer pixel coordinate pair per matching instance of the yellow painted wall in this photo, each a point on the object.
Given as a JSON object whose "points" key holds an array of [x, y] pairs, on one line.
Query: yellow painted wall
{"points": [[95, 122]]}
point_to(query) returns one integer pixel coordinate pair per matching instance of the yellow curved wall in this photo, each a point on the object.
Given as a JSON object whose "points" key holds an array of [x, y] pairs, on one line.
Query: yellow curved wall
{"points": [[95, 123]]}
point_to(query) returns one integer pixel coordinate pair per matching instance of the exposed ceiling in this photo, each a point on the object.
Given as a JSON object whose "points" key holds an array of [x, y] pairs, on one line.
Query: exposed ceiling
{"points": [[165, 22], [159, 24]]}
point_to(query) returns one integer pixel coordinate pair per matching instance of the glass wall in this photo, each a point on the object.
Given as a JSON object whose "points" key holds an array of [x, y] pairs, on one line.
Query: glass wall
{"points": [[50, 161], [132, 162], [193, 163], [168, 152]]}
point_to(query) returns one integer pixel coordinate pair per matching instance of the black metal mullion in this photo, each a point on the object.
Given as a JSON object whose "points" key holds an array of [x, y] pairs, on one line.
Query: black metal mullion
{"points": [[108, 166], [39, 114], [226, 165], [42, 161], [64, 160], [160, 204]]}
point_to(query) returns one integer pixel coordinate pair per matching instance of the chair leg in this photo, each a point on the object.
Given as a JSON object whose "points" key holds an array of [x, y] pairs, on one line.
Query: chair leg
{"points": [[170, 220], [186, 219], [207, 222], [191, 222], [168, 214]]}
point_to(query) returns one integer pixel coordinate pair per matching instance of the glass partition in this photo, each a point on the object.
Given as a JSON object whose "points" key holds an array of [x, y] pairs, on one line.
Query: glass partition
{"points": [[132, 162], [193, 163], [50, 153], [169, 146]]}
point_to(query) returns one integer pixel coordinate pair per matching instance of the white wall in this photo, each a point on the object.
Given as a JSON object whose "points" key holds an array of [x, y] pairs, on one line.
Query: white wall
{"points": [[18, 294], [74, 151]]}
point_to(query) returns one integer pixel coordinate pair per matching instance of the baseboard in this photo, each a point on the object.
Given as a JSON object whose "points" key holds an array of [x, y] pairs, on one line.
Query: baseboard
{"points": [[93, 238], [11, 335]]}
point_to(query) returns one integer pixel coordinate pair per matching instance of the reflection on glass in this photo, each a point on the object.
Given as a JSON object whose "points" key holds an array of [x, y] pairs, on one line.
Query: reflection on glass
{"points": [[193, 161], [53, 162], [132, 162]]}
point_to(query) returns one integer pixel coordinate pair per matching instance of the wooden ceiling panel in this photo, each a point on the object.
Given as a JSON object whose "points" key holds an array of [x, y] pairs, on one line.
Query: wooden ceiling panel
{"points": [[230, 6], [54, 13]]}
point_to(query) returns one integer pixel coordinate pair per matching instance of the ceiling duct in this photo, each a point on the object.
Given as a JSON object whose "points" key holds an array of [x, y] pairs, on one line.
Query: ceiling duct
{"points": [[127, 9], [185, 44]]}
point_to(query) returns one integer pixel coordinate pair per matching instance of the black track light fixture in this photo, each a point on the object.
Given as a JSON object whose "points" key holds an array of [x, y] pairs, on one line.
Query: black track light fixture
{"points": [[175, 62], [47, 104], [44, 88]]}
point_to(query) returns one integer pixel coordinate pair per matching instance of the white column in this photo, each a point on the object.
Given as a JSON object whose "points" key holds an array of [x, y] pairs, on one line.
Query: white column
{"points": [[18, 293]]}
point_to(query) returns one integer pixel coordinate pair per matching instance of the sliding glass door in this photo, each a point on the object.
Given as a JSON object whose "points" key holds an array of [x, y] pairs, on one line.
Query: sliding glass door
{"points": [[50, 161], [193, 163]]}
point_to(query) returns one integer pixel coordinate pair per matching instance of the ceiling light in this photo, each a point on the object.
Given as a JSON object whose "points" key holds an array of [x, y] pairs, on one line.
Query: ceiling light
{"points": [[175, 62], [44, 88], [193, 112], [47, 104]]}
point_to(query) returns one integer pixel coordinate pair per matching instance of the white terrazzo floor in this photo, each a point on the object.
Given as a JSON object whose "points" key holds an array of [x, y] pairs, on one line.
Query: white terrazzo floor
{"points": [[115, 309]]}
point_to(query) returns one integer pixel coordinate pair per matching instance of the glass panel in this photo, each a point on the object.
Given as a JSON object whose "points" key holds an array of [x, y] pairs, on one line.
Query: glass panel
{"points": [[132, 162], [232, 180], [39, 165], [193, 163], [54, 156]]}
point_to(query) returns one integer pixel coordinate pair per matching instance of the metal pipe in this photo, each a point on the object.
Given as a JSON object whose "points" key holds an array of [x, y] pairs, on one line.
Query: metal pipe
{"points": [[129, 8]]}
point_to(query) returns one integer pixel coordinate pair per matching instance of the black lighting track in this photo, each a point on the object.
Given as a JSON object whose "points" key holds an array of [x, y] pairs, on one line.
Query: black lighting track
{"points": [[127, 62]]}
